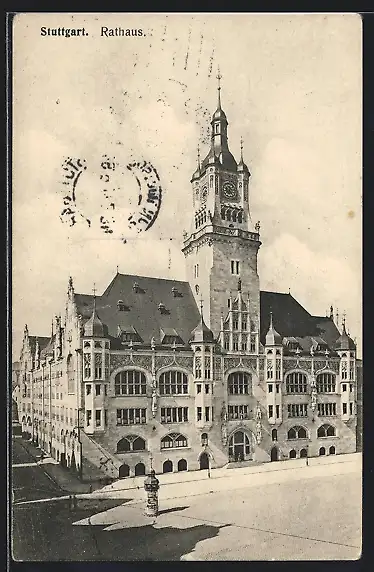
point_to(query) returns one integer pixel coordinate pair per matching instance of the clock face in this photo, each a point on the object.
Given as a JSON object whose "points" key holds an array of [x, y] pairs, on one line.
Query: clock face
{"points": [[204, 193], [229, 190]]}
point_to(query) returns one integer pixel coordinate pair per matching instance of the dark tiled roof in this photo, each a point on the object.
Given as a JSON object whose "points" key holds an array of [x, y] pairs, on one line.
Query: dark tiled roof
{"points": [[42, 340], [291, 319], [142, 295], [142, 311], [48, 348]]}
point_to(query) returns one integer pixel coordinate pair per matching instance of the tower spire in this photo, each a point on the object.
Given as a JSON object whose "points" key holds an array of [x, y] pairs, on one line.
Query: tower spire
{"points": [[94, 297], [241, 149], [198, 157], [219, 77]]}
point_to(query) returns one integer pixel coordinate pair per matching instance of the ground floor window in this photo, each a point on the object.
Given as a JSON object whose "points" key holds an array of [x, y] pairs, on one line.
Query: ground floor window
{"points": [[303, 453], [332, 450], [322, 451], [292, 454]]}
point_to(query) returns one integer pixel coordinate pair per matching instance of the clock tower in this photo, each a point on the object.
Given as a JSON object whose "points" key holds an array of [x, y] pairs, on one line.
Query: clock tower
{"points": [[222, 244]]}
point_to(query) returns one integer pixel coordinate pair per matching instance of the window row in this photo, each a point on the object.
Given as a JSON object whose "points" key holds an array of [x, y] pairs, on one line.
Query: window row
{"points": [[101, 417], [134, 382], [133, 443], [139, 469], [298, 432]]}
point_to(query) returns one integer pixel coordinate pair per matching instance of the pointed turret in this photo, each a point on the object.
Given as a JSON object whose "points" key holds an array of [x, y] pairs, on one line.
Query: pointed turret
{"points": [[344, 342], [201, 334], [94, 327], [272, 337], [242, 167]]}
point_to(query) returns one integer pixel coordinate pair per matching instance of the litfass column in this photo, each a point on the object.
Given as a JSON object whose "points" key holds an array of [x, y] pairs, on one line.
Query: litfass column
{"points": [[151, 486]]}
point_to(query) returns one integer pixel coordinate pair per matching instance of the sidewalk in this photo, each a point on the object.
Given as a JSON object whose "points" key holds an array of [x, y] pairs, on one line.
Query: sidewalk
{"points": [[62, 477]]}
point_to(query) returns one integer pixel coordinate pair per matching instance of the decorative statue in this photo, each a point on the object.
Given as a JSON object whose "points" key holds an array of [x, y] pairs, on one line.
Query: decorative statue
{"points": [[152, 343], [258, 412], [224, 434], [154, 404]]}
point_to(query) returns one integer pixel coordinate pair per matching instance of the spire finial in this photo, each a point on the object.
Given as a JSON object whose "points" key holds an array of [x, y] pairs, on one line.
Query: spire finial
{"points": [[94, 296], [198, 157], [219, 77], [331, 312], [117, 268], [271, 320], [201, 306], [241, 148]]}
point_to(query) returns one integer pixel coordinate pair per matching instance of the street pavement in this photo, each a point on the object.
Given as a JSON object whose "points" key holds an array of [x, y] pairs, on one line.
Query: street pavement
{"points": [[316, 515]]}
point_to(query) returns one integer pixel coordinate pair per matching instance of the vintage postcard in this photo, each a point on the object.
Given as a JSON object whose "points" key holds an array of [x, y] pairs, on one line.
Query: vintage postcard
{"points": [[186, 287]]}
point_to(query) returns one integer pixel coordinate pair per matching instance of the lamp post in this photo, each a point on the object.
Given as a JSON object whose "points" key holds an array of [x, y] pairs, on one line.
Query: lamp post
{"points": [[151, 486]]}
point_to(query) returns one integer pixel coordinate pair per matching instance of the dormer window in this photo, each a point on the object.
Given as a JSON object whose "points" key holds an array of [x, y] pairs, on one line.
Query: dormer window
{"points": [[129, 334], [170, 337], [176, 292], [121, 306], [136, 287], [162, 309]]}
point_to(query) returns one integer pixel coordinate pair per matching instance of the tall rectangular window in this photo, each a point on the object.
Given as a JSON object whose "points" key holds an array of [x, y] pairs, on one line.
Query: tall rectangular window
{"points": [[199, 414], [351, 409], [88, 389], [207, 388], [270, 409], [277, 411], [98, 417], [207, 413], [88, 416], [97, 389], [235, 267], [105, 417], [270, 387], [344, 408], [344, 387]]}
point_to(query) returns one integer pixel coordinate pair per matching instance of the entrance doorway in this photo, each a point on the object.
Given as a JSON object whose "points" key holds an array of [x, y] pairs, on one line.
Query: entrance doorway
{"points": [[139, 469], [124, 471], [167, 467], [239, 447], [204, 461], [274, 454]]}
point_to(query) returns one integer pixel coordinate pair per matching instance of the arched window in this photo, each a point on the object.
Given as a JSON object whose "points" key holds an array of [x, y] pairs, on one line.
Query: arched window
{"points": [[124, 471], [173, 383], [240, 217], [326, 431], [182, 465], [130, 443], [234, 216], [130, 382], [325, 383], [296, 382], [173, 441], [239, 446], [139, 469], [167, 467], [228, 214], [239, 383], [303, 453], [332, 450], [322, 451], [292, 454], [297, 432], [274, 435], [204, 439]]}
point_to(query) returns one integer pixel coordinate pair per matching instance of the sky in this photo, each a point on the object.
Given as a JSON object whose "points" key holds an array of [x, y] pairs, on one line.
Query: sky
{"points": [[291, 87]]}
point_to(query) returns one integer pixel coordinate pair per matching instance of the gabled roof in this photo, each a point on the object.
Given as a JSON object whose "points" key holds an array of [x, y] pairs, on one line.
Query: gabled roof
{"points": [[291, 319], [142, 302]]}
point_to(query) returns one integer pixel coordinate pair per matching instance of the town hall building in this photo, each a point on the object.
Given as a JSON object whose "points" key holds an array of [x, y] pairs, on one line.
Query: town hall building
{"points": [[196, 374]]}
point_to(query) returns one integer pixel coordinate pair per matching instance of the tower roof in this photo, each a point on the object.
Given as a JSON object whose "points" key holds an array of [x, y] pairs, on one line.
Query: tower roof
{"points": [[272, 337], [94, 327], [344, 341], [202, 334]]}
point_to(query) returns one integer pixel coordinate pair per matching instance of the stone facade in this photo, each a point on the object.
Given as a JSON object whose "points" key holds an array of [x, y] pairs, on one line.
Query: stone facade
{"points": [[129, 391]]}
